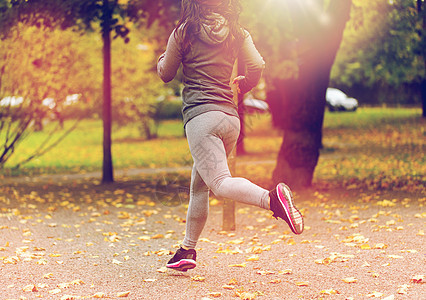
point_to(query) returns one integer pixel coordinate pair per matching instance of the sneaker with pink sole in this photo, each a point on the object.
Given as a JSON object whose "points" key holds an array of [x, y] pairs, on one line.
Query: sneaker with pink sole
{"points": [[283, 207], [183, 260]]}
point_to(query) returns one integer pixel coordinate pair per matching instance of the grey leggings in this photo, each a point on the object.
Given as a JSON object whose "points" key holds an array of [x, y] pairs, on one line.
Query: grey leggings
{"points": [[211, 138]]}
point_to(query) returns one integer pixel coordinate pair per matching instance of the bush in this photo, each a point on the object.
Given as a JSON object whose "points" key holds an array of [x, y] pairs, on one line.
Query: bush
{"points": [[168, 110]]}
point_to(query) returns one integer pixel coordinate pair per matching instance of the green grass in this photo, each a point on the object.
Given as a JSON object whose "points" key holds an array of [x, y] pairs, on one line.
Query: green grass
{"points": [[81, 151]]}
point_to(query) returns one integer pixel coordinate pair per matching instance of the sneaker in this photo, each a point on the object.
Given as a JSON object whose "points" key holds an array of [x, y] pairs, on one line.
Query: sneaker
{"points": [[183, 260], [282, 206]]}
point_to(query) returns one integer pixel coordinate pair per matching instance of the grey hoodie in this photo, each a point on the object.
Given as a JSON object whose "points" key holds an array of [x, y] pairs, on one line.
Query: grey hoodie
{"points": [[207, 68]]}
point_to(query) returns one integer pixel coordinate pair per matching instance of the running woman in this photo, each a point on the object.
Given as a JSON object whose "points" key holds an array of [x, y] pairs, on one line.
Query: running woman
{"points": [[206, 41]]}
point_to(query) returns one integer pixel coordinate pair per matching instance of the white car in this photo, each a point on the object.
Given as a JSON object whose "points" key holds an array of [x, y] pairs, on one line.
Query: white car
{"points": [[255, 106], [339, 101]]}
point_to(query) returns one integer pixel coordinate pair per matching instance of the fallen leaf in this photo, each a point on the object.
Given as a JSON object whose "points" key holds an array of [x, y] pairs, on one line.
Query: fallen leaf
{"points": [[123, 294], [375, 295], [228, 287], [302, 283], [162, 270], [253, 258], [198, 278], [48, 275], [395, 256], [55, 291], [245, 295], [157, 236], [329, 292], [350, 279], [403, 289], [243, 265], [98, 295], [265, 272], [30, 288], [215, 294], [69, 297], [380, 246], [417, 278]]}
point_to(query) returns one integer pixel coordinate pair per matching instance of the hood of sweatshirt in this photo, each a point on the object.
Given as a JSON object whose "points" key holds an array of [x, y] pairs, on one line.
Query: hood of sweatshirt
{"points": [[214, 29]]}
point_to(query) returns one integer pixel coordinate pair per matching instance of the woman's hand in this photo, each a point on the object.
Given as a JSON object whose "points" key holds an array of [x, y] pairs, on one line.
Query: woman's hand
{"points": [[236, 81]]}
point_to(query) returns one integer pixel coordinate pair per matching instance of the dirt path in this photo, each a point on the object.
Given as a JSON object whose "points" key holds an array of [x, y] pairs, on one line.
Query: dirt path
{"points": [[86, 241]]}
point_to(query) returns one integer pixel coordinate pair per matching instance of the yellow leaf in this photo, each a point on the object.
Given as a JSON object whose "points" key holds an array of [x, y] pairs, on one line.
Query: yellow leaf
{"points": [[245, 295], [214, 202], [329, 292], [198, 278], [302, 283], [77, 282], [98, 295], [30, 288], [157, 236], [253, 258], [55, 291], [380, 246], [403, 289], [375, 295], [236, 242], [395, 256], [265, 272], [228, 287], [69, 297], [286, 271], [215, 294], [123, 294], [162, 270], [365, 247], [350, 279], [243, 265], [48, 275], [275, 281]]}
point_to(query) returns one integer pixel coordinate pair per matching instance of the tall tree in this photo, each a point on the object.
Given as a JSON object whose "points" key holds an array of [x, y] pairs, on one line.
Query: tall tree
{"points": [[299, 48], [39, 68], [422, 33], [301, 100], [381, 59], [112, 16]]}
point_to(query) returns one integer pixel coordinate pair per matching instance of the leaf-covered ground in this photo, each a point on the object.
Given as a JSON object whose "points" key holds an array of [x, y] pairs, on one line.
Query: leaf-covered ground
{"points": [[76, 239]]}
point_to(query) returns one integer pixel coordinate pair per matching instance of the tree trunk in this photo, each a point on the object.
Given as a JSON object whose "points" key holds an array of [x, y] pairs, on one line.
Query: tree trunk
{"points": [[241, 150], [422, 15], [107, 168], [301, 102]]}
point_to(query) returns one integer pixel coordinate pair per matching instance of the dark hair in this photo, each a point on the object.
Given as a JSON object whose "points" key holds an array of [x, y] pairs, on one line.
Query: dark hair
{"points": [[194, 11]]}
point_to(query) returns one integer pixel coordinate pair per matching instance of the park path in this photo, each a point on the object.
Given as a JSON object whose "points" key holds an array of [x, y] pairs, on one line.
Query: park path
{"points": [[71, 238]]}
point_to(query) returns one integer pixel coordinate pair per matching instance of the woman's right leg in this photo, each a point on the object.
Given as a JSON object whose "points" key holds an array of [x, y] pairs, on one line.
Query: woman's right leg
{"points": [[198, 210]]}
